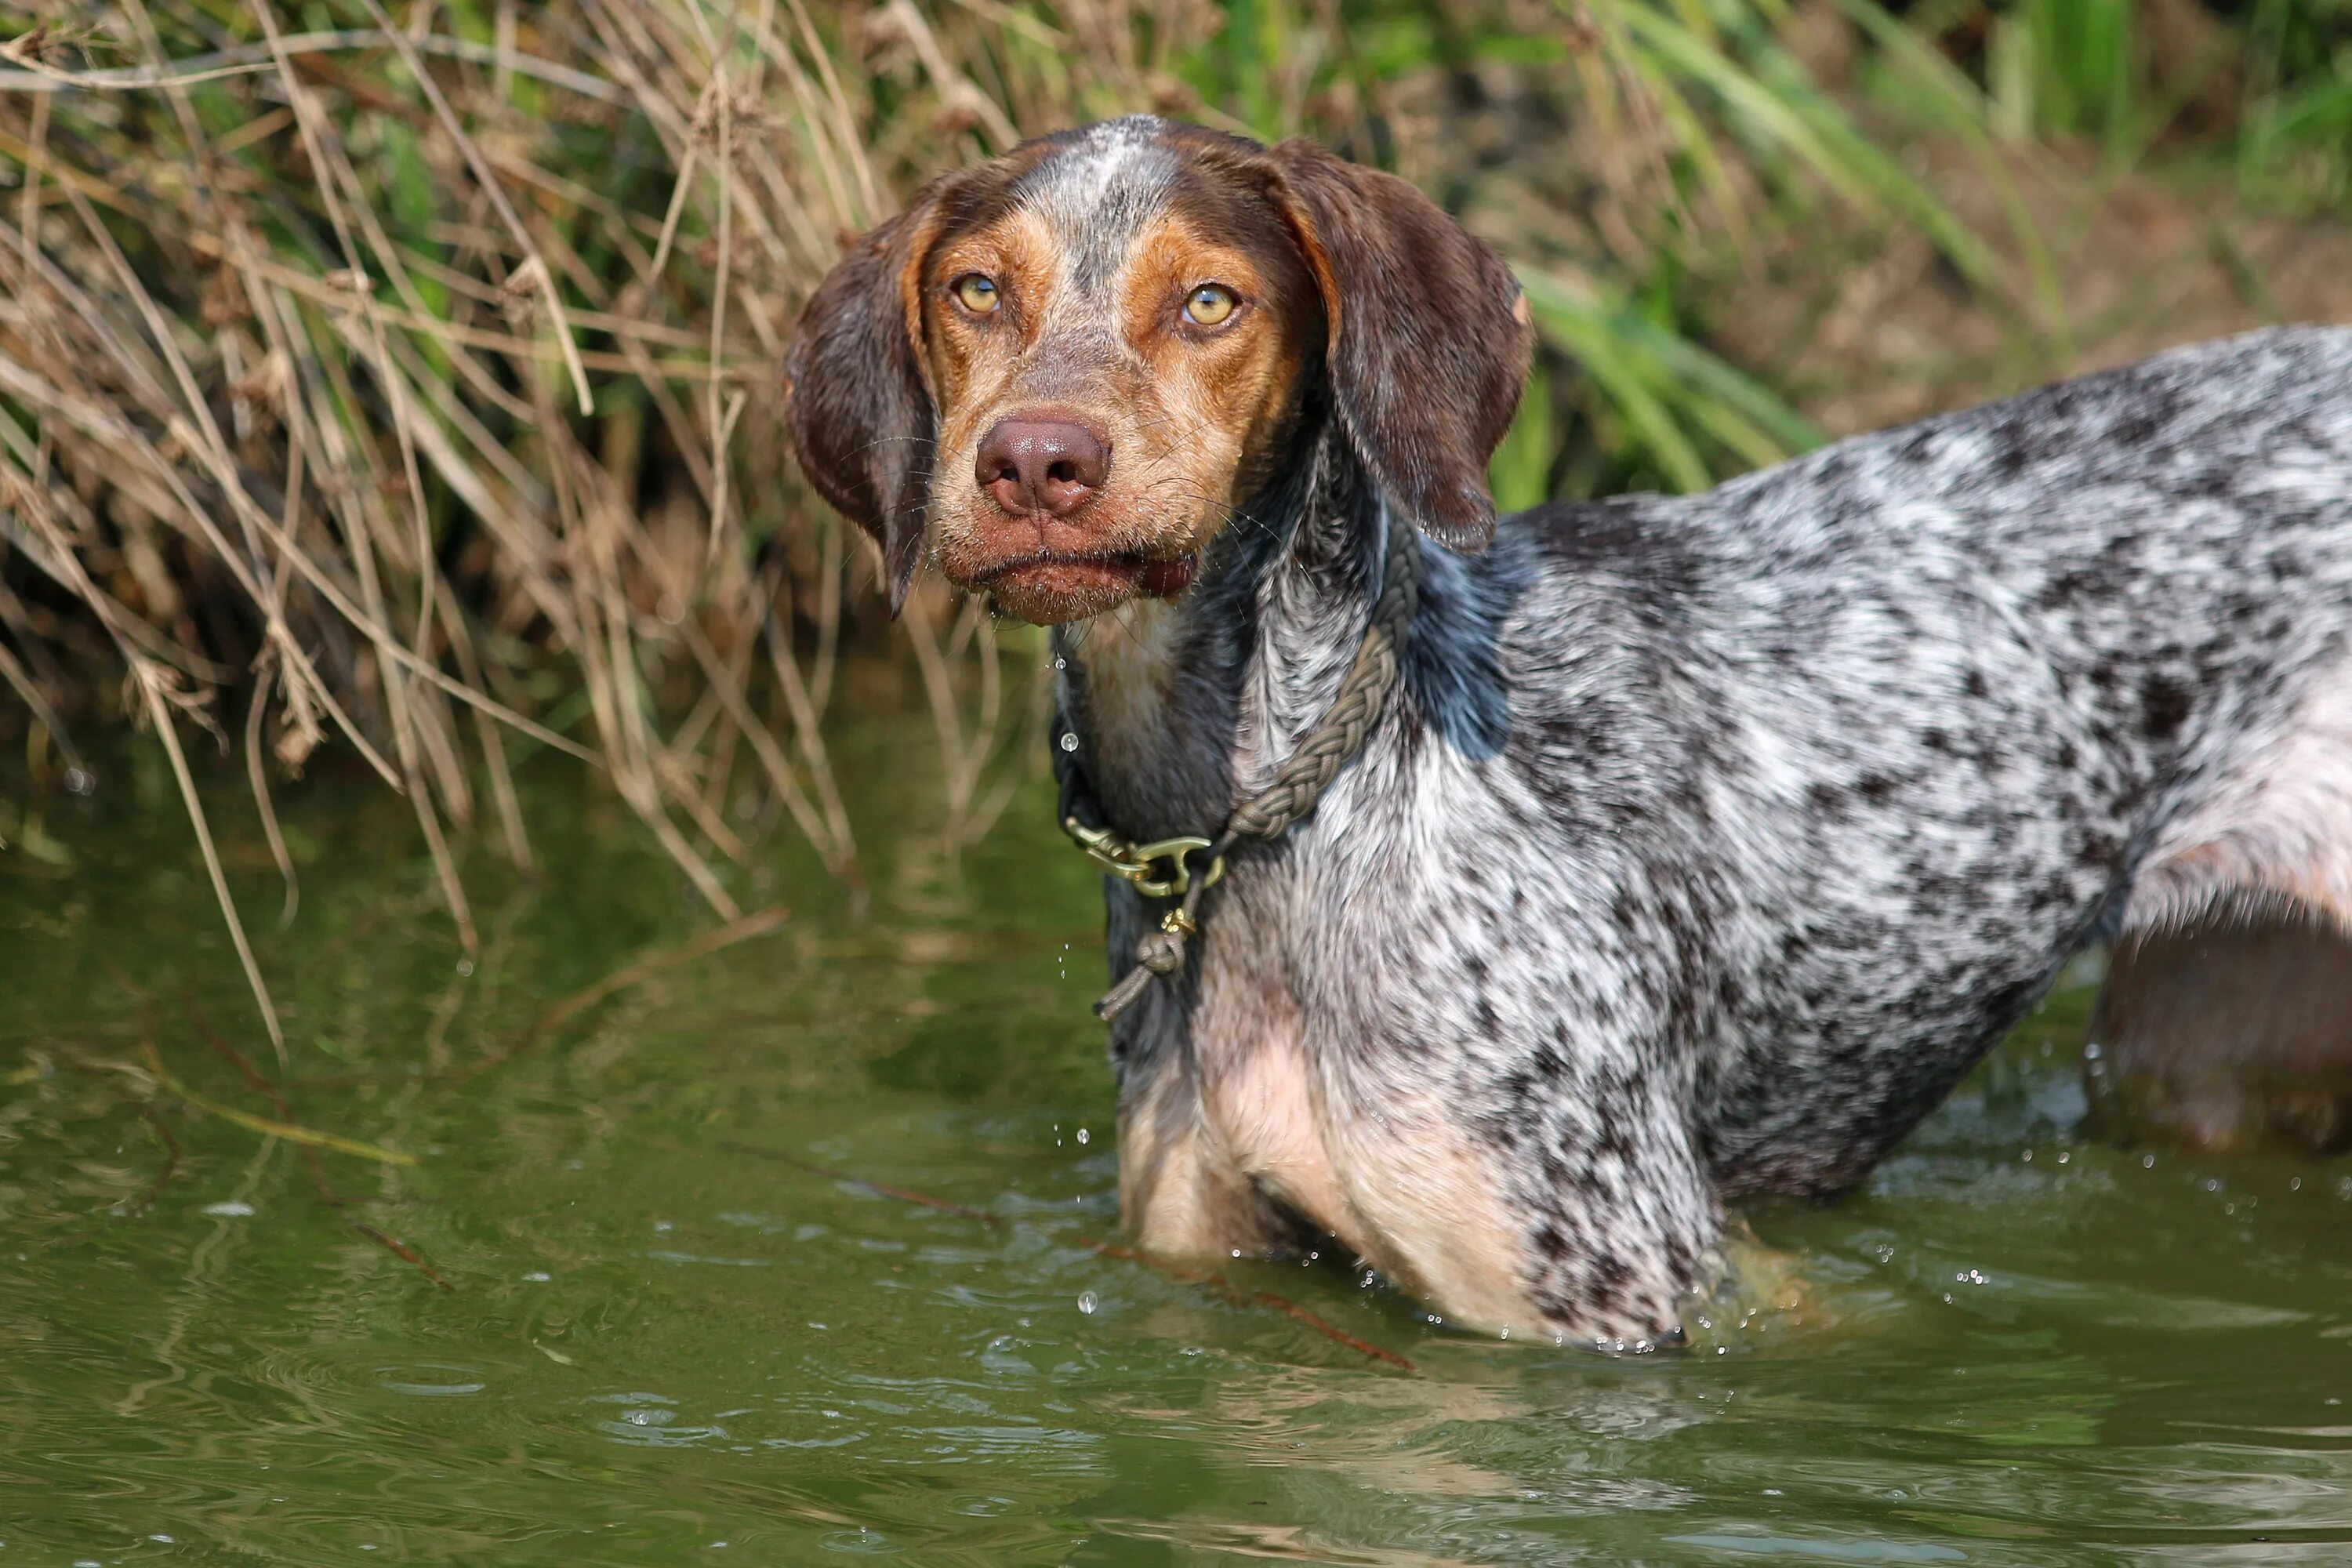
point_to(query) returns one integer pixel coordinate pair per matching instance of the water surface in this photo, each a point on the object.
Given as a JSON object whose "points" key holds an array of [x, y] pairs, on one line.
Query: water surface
{"points": [[677, 1330]]}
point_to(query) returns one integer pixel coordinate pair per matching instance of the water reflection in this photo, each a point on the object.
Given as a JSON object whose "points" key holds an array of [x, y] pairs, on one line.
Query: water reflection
{"points": [[2016, 1346]]}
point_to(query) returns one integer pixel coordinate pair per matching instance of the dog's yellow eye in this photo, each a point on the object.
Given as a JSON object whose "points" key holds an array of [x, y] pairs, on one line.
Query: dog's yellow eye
{"points": [[976, 293], [1211, 305]]}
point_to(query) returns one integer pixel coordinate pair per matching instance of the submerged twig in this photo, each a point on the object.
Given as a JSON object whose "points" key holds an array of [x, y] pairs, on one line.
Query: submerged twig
{"points": [[277, 1098], [879, 1189], [293, 1133], [759, 922], [1299, 1314], [401, 1250], [326, 1195], [155, 1189], [1212, 1279]]}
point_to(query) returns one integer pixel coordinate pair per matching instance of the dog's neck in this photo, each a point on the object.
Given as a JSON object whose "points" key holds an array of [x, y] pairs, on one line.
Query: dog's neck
{"points": [[1183, 707]]}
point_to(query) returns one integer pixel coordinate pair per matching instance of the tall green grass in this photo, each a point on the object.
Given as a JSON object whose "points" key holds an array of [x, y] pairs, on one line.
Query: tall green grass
{"points": [[2122, 76]]}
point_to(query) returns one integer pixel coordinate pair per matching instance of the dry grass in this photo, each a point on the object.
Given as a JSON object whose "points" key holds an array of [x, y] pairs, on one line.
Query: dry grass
{"points": [[339, 376], [407, 381]]}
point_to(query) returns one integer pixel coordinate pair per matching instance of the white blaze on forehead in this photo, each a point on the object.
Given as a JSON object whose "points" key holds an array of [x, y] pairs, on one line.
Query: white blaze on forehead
{"points": [[1095, 194]]}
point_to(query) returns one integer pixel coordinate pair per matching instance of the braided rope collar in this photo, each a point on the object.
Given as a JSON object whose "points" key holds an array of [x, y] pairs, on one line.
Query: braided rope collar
{"points": [[1358, 705]]}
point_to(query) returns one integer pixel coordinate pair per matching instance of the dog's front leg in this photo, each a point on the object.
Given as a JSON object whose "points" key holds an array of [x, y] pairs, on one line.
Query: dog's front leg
{"points": [[1583, 1221], [1180, 1191]]}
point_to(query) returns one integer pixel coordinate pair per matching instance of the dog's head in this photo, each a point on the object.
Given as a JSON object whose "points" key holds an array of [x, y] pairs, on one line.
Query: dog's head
{"points": [[1074, 362]]}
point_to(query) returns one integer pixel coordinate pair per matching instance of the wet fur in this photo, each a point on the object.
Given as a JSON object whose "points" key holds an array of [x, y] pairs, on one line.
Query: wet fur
{"points": [[1712, 838]]}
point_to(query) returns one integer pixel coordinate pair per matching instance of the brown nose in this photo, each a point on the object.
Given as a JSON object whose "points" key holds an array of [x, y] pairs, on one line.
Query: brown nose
{"points": [[1050, 465]]}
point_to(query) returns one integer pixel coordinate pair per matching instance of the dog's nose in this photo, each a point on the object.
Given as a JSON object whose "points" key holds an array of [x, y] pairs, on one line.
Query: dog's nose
{"points": [[1050, 465]]}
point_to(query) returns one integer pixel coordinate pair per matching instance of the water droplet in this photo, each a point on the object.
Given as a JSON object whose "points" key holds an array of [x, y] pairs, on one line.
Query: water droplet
{"points": [[1061, 663], [80, 781], [465, 967], [1086, 1301], [1084, 1135], [1069, 742], [2147, 1161]]}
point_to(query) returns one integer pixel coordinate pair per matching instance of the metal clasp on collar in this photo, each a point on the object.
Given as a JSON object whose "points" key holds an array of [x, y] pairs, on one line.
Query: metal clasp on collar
{"points": [[1140, 864]]}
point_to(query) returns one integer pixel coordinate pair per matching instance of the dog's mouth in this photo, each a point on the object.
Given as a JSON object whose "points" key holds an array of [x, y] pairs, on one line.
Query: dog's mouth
{"points": [[1048, 587]]}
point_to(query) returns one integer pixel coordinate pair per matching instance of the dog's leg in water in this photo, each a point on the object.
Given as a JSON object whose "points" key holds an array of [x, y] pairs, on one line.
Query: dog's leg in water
{"points": [[1178, 1195], [2230, 1035]]}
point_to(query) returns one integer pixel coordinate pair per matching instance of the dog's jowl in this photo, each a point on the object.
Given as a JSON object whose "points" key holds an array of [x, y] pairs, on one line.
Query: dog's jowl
{"points": [[1698, 844]]}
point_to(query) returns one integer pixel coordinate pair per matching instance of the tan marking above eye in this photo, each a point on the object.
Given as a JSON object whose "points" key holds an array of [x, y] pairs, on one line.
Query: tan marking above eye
{"points": [[977, 292], [1211, 305]]}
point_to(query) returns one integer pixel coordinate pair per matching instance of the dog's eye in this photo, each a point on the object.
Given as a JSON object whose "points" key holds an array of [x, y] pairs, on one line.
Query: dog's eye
{"points": [[975, 293], [1211, 305]]}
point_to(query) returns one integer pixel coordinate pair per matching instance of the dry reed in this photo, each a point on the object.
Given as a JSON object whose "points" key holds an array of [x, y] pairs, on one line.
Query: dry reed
{"points": [[409, 383], [342, 376]]}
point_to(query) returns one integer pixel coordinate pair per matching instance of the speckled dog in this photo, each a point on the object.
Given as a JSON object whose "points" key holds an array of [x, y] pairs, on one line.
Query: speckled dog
{"points": [[1708, 841]]}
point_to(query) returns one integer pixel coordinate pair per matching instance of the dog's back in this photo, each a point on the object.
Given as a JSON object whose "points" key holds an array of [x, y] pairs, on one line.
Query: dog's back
{"points": [[1917, 711]]}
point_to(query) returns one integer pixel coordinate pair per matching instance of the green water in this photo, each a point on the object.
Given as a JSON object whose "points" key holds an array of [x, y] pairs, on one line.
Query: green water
{"points": [[663, 1344]]}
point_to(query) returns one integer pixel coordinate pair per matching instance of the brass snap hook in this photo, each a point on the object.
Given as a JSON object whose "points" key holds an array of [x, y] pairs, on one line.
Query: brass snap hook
{"points": [[1141, 864]]}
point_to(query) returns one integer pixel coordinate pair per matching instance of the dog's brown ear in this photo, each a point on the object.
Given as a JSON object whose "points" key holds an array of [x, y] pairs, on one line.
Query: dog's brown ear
{"points": [[862, 419], [1429, 342]]}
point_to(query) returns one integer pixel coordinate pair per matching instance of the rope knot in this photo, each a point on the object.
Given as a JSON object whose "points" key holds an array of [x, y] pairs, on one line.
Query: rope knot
{"points": [[1161, 952]]}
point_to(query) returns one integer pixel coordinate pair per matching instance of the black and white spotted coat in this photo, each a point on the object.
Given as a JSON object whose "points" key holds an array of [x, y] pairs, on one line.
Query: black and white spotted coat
{"points": [[1714, 837]]}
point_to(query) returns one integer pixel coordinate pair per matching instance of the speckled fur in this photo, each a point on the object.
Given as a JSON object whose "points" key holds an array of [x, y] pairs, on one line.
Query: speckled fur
{"points": [[1717, 836], [1712, 838]]}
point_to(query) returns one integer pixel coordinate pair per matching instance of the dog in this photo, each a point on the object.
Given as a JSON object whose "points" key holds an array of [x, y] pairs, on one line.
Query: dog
{"points": [[1705, 842]]}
